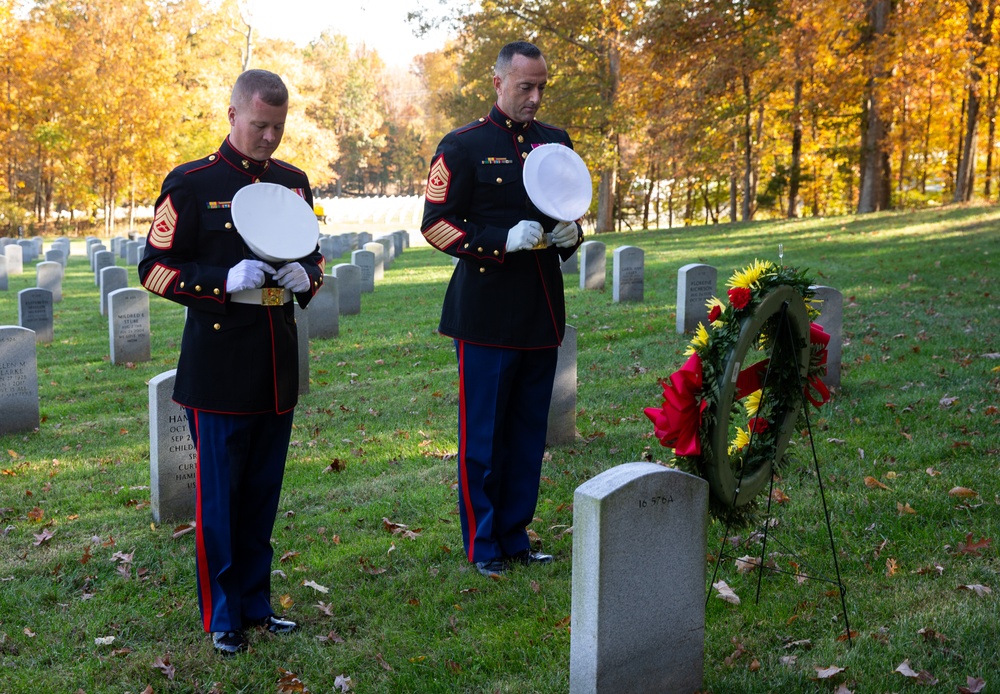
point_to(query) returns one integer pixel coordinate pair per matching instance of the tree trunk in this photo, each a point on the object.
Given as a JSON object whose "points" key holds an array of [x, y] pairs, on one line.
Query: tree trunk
{"points": [[606, 200], [796, 168], [873, 127], [981, 34], [747, 135], [991, 119]]}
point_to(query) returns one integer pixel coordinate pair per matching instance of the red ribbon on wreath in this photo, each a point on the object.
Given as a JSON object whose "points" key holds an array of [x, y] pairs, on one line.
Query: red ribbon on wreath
{"points": [[818, 336], [676, 424]]}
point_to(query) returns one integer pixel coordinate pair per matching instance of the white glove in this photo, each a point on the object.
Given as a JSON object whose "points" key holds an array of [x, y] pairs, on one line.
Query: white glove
{"points": [[247, 274], [294, 277], [523, 235], [565, 234]]}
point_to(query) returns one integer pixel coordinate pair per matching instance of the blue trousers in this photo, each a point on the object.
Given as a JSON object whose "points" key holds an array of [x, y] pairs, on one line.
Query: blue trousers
{"points": [[503, 409], [241, 462]]}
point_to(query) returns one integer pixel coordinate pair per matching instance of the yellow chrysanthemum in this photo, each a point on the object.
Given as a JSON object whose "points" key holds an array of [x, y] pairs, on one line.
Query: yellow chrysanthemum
{"points": [[699, 341], [740, 442], [813, 307], [753, 402], [749, 276], [715, 302]]}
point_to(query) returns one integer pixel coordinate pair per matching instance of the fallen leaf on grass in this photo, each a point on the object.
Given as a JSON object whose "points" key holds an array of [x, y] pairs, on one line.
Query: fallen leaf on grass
{"points": [[873, 483], [286, 602], [726, 593], [29, 633], [369, 568], [803, 643], [746, 564], [453, 667], [977, 588], [825, 673], [381, 661], [289, 683], [288, 556], [931, 635], [970, 547], [315, 586], [962, 492], [42, 537], [903, 509], [973, 685], [104, 640], [932, 472], [36, 514], [332, 636], [779, 497], [342, 682], [933, 569], [164, 666], [842, 689], [182, 530], [923, 676], [848, 636], [325, 608], [891, 567], [947, 401]]}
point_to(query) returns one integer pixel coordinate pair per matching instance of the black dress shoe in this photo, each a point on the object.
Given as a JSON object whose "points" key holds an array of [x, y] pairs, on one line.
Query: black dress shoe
{"points": [[276, 625], [491, 567], [228, 642], [528, 557]]}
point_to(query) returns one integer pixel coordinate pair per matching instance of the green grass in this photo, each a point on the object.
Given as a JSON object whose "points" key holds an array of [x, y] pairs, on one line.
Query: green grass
{"points": [[921, 320]]}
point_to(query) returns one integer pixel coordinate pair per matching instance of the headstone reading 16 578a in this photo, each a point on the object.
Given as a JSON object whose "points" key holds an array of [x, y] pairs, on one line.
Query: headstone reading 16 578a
{"points": [[324, 310], [638, 600], [18, 380], [172, 455], [365, 260], [695, 286]]}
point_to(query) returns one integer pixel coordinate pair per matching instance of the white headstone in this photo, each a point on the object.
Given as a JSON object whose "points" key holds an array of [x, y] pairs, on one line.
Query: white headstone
{"points": [[34, 312], [102, 259], [638, 606], [571, 265], [4, 282], [593, 265], [302, 330], [15, 259], [324, 310], [18, 380], [365, 260], [128, 325], [831, 318], [49, 275], [112, 279], [628, 274], [562, 408], [695, 286], [348, 288], [172, 455]]}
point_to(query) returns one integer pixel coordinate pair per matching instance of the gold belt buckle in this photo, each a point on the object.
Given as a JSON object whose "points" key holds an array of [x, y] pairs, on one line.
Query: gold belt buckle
{"points": [[272, 296]]}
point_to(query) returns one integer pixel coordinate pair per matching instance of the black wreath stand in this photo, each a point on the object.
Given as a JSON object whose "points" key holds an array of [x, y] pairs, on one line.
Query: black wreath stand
{"points": [[784, 332]]}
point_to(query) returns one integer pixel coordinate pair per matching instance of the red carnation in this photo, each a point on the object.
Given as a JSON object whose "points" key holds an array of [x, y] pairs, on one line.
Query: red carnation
{"points": [[739, 297], [757, 425], [714, 314]]}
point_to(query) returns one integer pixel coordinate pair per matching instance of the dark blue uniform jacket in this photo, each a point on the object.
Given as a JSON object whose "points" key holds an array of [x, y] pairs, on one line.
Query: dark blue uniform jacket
{"points": [[475, 194], [235, 358]]}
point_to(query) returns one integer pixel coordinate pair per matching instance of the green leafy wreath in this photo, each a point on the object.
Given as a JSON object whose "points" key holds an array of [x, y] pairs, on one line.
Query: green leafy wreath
{"points": [[769, 312]]}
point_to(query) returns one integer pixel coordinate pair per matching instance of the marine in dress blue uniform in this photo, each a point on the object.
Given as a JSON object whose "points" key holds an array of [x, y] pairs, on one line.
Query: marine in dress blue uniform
{"points": [[237, 374], [503, 307]]}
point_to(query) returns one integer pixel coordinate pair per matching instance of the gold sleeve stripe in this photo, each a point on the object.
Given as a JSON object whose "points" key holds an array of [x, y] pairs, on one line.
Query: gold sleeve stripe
{"points": [[442, 234], [160, 278], [161, 234], [438, 181]]}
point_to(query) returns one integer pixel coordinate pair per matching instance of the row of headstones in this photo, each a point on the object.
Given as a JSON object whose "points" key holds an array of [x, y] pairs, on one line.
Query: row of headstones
{"points": [[127, 310]]}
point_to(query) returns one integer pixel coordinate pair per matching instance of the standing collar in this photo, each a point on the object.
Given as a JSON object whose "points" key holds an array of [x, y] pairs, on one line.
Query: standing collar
{"points": [[506, 122], [239, 161]]}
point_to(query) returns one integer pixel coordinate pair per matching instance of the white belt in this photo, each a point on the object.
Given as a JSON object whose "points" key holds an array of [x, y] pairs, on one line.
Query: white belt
{"points": [[265, 296]]}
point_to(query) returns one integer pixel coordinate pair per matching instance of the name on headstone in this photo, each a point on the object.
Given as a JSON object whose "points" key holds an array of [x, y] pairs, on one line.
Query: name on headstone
{"points": [[628, 274], [173, 458], [128, 326], [34, 312], [695, 286], [18, 380]]}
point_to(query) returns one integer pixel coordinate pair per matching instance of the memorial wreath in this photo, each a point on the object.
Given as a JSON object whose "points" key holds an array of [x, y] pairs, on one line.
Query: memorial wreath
{"points": [[768, 321]]}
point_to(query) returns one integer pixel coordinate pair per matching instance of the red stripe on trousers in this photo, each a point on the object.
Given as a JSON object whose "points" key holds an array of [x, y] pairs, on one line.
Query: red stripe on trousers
{"points": [[470, 516], [204, 583]]}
